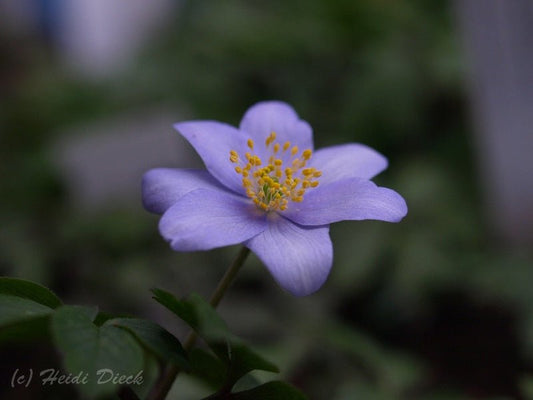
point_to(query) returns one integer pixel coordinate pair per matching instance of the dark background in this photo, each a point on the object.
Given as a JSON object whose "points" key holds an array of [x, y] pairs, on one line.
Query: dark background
{"points": [[439, 306]]}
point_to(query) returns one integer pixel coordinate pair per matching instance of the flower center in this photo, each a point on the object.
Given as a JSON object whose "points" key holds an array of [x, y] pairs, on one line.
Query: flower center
{"points": [[284, 178]]}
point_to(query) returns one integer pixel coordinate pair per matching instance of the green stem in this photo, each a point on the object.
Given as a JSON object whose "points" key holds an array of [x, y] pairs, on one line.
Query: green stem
{"points": [[170, 373]]}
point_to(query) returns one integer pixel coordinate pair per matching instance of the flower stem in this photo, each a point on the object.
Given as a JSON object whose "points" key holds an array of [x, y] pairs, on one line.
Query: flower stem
{"points": [[170, 373], [228, 277]]}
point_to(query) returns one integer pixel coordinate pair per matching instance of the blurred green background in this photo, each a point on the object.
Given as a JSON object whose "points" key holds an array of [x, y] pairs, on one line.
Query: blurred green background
{"points": [[432, 308]]}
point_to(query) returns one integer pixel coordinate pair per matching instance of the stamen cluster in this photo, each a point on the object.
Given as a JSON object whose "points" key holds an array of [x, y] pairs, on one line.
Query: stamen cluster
{"points": [[284, 178]]}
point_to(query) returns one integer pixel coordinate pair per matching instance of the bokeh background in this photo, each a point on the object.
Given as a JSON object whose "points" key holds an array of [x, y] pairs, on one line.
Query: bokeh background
{"points": [[439, 306]]}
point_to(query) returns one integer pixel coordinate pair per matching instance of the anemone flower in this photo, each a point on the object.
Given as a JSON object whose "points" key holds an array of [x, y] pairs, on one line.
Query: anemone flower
{"points": [[264, 186]]}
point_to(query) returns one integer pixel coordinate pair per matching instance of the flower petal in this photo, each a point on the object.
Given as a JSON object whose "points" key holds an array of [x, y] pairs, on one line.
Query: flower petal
{"points": [[162, 187], [298, 257], [352, 160], [275, 116], [205, 219], [347, 199], [213, 141]]}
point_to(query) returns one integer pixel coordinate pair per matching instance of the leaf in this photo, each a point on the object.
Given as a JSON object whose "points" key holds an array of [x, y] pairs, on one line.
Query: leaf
{"points": [[99, 353], [241, 360], [27, 330], [15, 309], [197, 313], [102, 317], [203, 318], [22, 319], [90, 312], [157, 339], [275, 390], [208, 368], [29, 290]]}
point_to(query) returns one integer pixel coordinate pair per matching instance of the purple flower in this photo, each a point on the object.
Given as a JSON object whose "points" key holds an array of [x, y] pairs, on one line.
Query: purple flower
{"points": [[265, 187]]}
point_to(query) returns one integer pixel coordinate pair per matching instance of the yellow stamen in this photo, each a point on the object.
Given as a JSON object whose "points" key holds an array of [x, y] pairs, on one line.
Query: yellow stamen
{"points": [[272, 187], [270, 138]]}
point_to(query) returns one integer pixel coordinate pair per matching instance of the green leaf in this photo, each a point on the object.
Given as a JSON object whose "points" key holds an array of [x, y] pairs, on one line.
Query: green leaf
{"points": [[98, 353], [15, 309], [29, 290], [102, 317], [275, 390], [241, 360], [157, 339], [26, 331], [197, 313], [90, 312], [208, 368], [203, 318], [22, 319]]}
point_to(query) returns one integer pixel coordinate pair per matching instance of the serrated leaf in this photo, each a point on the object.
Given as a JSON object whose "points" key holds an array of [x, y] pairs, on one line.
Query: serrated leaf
{"points": [[275, 390], [157, 339], [99, 352], [29, 290]]}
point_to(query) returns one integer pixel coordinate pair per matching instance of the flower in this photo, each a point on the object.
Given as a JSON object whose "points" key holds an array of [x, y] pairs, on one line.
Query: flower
{"points": [[267, 188]]}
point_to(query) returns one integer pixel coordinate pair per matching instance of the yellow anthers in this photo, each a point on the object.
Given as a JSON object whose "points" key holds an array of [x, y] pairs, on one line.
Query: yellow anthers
{"points": [[254, 160], [283, 179], [233, 156], [270, 138]]}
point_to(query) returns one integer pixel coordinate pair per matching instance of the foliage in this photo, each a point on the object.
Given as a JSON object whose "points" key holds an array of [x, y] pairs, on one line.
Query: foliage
{"points": [[99, 355], [434, 308]]}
